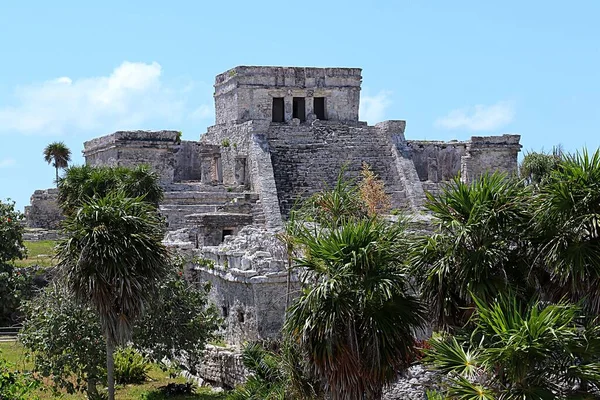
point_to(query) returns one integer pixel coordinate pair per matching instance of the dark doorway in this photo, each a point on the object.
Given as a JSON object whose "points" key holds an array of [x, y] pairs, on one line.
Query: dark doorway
{"points": [[319, 106], [299, 108], [278, 109], [226, 232]]}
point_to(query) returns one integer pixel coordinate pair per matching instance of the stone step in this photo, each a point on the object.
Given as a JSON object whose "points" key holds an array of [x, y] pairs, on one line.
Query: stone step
{"points": [[189, 208]]}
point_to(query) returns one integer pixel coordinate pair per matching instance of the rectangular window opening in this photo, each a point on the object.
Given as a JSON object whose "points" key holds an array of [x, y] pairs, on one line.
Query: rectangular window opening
{"points": [[319, 106], [299, 108], [278, 109], [226, 232]]}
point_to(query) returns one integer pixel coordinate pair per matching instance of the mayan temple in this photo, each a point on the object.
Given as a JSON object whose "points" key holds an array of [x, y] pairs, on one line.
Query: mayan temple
{"points": [[280, 134]]}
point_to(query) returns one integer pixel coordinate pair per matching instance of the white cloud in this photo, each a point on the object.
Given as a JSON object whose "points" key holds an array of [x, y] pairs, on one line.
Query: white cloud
{"points": [[372, 108], [479, 117], [203, 112], [125, 99], [7, 162]]}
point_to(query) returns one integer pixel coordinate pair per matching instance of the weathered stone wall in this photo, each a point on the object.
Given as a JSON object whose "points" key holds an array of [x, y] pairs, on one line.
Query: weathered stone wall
{"points": [[249, 283], [437, 161], [43, 211], [490, 153], [308, 158], [187, 161], [130, 148], [246, 93], [222, 367]]}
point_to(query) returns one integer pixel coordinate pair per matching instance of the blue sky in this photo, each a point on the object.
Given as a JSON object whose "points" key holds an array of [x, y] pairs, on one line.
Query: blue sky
{"points": [[73, 70]]}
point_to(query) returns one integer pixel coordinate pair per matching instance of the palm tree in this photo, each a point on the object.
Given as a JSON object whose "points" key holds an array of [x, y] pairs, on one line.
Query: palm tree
{"points": [[479, 248], [567, 229], [113, 258], [84, 182], [356, 320], [528, 351], [57, 154]]}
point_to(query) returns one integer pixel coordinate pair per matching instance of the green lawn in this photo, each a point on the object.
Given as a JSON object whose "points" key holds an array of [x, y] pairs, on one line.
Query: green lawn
{"points": [[13, 352], [38, 253]]}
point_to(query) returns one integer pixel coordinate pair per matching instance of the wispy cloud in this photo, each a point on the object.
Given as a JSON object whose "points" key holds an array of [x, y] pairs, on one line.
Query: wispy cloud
{"points": [[7, 162], [479, 117], [203, 112], [372, 108], [132, 94]]}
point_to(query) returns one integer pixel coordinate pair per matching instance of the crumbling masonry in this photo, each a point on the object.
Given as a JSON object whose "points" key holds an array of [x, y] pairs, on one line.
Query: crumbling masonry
{"points": [[281, 134]]}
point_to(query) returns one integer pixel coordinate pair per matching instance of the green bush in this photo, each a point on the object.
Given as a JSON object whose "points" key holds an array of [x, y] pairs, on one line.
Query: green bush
{"points": [[130, 366], [15, 385]]}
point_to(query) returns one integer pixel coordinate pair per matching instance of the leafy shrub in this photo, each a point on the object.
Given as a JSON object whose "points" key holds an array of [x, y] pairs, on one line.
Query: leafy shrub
{"points": [[15, 385], [130, 366]]}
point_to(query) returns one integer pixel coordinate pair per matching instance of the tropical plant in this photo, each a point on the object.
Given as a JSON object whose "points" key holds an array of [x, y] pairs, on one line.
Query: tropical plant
{"points": [[355, 321], [175, 327], [372, 192], [528, 351], [567, 230], [479, 247], [113, 259], [130, 366], [11, 232], [178, 323], [536, 167], [280, 373], [57, 154], [16, 385], [333, 207], [82, 183], [65, 337]]}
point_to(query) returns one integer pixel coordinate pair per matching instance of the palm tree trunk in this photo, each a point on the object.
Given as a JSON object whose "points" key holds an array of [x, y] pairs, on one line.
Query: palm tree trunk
{"points": [[56, 175], [110, 368]]}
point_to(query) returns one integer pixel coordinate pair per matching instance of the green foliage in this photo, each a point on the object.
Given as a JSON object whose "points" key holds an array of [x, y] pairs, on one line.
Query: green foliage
{"points": [[114, 258], [567, 230], [57, 154], [356, 318], [520, 351], [333, 207], [65, 338], [536, 167], [276, 374], [205, 262], [11, 233], [179, 322], [15, 385], [130, 366], [479, 247], [82, 183], [17, 285], [178, 138], [225, 142]]}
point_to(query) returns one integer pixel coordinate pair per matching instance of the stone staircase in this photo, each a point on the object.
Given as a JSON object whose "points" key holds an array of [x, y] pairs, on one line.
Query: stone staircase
{"points": [[307, 160], [188, 198]]}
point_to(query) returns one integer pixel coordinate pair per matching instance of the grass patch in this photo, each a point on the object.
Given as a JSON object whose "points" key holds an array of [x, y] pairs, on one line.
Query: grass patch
{"points": [[38, 253], [14, 353]]}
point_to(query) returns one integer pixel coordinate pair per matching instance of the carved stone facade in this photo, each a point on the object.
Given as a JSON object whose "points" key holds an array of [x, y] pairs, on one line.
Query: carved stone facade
{"points": [[281, 134]]}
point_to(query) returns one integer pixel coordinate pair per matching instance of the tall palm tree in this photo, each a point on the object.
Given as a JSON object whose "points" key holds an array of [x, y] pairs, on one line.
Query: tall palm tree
{"points": [[478, 247], [57, 154], [113, 259], [84, 182], [357, 317]]}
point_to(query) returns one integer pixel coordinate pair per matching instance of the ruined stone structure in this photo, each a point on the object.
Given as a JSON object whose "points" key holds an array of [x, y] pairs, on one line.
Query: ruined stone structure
{"points": [[280, 135]]}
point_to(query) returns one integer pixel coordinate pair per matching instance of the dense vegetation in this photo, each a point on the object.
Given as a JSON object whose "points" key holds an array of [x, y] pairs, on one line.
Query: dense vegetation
{"points": [[509, 280]]}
